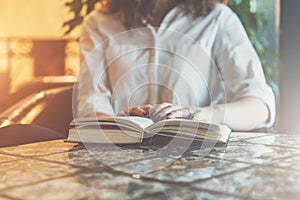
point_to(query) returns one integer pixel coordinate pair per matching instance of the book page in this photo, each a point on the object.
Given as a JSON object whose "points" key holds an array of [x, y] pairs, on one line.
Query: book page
{"points": [[87, 134], [182, 123], [191, 129], [137, 123], [142, 121]]}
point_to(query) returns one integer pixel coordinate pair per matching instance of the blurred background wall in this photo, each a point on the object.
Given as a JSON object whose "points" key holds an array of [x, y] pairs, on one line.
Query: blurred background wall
{"points": [[31, 37], [32, 18], [289, 112]]}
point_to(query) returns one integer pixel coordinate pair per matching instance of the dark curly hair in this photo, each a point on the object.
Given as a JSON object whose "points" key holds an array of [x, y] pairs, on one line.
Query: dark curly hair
{"points": [[134, 10]]}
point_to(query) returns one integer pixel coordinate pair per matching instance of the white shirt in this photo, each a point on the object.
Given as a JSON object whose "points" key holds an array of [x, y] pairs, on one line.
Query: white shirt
{"points": [[197, 62]]}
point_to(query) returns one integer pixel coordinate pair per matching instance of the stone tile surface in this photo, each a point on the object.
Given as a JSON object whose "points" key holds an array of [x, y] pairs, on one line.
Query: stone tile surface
{"points": [[258, 183], [42, 148], [7, 158], [253, 166], [28, 171], [253, 153], [108, 186]]}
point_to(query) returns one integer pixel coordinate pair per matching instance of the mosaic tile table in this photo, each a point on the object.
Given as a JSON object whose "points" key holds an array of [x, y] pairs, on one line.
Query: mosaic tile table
{"points": [[252, 166]]}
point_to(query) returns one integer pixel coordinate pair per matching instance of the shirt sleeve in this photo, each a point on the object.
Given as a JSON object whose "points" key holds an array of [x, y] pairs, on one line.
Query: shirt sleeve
{"points": [[94, 94], [240, 66]]}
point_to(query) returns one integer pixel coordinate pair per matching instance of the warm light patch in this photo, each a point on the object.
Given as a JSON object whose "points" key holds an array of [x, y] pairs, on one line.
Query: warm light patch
{"points": [[32, 18], [35, 111], [5, 123], [3, 59], [21, 71]]}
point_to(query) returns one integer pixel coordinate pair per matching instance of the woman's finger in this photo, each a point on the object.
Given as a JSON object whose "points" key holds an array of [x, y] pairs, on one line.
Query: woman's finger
{"points": [[147, 108], [136, 111], [122, 113]]}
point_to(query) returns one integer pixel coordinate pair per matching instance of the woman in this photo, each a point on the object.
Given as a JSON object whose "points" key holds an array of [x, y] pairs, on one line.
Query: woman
{"points": [[172, 59]]}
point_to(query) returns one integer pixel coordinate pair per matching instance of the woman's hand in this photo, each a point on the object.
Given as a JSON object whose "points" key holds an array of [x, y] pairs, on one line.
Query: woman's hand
{"points": [[238, 115], [163, 111], [141, 111]]}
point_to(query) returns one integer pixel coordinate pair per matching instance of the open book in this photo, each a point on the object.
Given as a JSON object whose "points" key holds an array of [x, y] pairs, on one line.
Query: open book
{"points": [[129, 130]]}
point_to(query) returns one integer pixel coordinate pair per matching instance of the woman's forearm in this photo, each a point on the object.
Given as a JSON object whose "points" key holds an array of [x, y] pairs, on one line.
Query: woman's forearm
{"points": [[242, 115]]}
